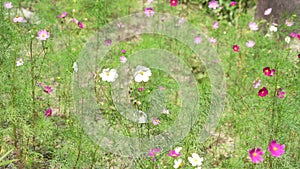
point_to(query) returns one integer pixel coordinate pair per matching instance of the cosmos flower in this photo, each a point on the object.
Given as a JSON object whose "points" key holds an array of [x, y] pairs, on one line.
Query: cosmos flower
{"points": [[287, 39], [195, 160], [123, 59], [263, 92], [280, 93], [142, 117], [250, 44], [81, 25], [19, 62], [149, 11], [215, 25], [289, 22], [75, 67], [123, 51], [175, 152], [213, 4], [197, 39], [142, 74], [256, 83], [7, 5], [232, 3], [253, 26], [273, 27], [293, 34], [75, 20], [165, 111], [212, 40], [173, 2], [155, 121], [153, 153], [268, 11], [109, 75], [276, 149], [268, 72], [256, 155], [236, 48], [177, 163], [18, 19], [43, 35], [48, 112], [62, 15], [48, 89], [107, 42]]}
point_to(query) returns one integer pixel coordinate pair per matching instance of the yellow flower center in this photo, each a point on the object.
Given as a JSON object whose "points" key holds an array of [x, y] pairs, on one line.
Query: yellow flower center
{"points": [[17, 16], [275, 148], [141, 73], [254, 154], [107, 73]]}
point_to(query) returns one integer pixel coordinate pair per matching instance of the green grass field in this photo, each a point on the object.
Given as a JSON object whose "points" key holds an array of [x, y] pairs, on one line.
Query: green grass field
{"points": [[37, 77]]}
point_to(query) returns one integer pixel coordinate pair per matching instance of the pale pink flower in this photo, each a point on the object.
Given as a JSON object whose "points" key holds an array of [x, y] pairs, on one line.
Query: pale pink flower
{"points": [[213, 4], [268, 11], [253, 26], [43, 35], [250, 44], [123, 59], [8, 5], [289, 22], [216, 25], [18, 19]]}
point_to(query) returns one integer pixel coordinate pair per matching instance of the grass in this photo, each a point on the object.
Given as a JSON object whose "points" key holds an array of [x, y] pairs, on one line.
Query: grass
{"points": [[32, 140]]}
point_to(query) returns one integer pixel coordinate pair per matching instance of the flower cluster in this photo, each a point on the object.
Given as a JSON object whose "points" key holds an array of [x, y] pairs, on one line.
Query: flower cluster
{"points": [[276, 150]]}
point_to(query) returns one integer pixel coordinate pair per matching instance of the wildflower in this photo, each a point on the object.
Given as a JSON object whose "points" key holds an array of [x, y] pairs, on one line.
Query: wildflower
{"points": [[232, 3], [75, 20], [215, 25], [280, 93], [149, 11], [268, 72], [81, 25], [276, 149], [142, 74], [123, 51], [8, 5], [253, 26], [165, 111], [173, 2], [293, 34], [48, 112], [175, 152], [48, 89], [195, 160], [250, 44], [155, 121], [273, 27], [268, 11], [75, 67], [177, 163], [298, 36], [19, 62], [212, 40], [197, 39], [18, 19], [109, 75], [153, 153], [123, 59], [161, 88], [141, 116], [287, 39], [256, 155], [107, 42], [62, 15], [141, 89], [43, 35], [289, 22], [213, 4], [256, 83], [263, 92], [236, 48], [299, 56]]}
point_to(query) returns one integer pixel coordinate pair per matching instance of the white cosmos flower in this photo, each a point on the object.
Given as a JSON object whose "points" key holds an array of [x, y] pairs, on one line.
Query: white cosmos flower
{"points": [[273, 27], [177, 163], [177, 150], [109, 75], [142, 116], [142, 74], [195, 160], [287, 39], [19, 62], [75, 67]]}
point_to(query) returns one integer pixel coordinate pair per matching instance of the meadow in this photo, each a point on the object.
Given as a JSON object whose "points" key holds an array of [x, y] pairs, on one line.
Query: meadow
{"points": [[147, 84]]}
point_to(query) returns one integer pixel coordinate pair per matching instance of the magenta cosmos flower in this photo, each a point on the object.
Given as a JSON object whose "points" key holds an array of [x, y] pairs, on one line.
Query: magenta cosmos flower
{"points": [[263, 92], [293, 34], [48, 89], [197, 39], [232, 3], [173, 2], [280, 93], [213, 4], [62, 15], [250, 44], [299, 56], [123, 51], [48, 112], [81, 25], [268, 72], [175, 152], [253, 26], [215, 25], [236, 48], [7, 5], [43, 35], [276, 149], [149, 11], [155, 121], [256, 155], [18, 19], [153, 153]]}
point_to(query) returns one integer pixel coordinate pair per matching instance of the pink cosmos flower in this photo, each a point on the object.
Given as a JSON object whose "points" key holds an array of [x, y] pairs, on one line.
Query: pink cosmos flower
{"points": [[153, 153], [253, 26], [268, 72], [48, 89], [123, 59], [175, 152], [155, 121], [123, 51], [289, 22], [250, 44], [62, 15], [276, 149], [149, 11], [263, 92], [43, 35], [75, 20], [173, 2], [213, 4], [107, 42], [81, 25], [256, 155], [280, 93], [7, 5], [212, 40], [18, 19], [48, 112], [232, 3], [268, 11], [293, 34], [256, 83], [197, 39], [141, 89], [236, 48], [215, 25]]}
